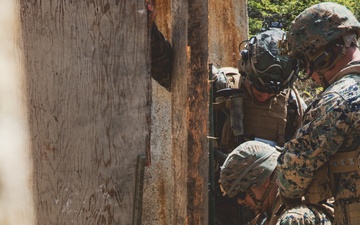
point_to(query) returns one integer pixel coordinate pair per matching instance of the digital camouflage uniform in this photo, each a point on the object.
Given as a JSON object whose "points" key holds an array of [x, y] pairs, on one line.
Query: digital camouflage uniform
{"points": [[250, 165], [330, 135], [331, 125], [304, 214]]}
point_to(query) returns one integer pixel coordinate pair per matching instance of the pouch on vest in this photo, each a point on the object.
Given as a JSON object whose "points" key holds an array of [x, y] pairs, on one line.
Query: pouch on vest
{"points": [[320, 187], [228, 99], [237, 115], [233, 128], [353, 213]]}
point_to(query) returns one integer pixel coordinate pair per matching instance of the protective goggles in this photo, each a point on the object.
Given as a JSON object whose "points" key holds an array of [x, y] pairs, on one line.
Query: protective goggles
{"points": [[270, 87], [324, 58]]}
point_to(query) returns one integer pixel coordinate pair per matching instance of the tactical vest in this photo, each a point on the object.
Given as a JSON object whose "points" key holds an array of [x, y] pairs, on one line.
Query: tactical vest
{"points": [[343, 162], [266, 120], [323, 185], [247, 119]]}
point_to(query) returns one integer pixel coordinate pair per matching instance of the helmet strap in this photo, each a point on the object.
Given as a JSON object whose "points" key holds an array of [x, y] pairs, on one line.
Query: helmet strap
{"points": [[290, 77], [348, 40], [321, 72], [259, 203], [322, 79]]}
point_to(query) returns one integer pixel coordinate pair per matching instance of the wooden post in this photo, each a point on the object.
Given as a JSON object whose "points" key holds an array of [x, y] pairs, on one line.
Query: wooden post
{"points": [[197, 118]]}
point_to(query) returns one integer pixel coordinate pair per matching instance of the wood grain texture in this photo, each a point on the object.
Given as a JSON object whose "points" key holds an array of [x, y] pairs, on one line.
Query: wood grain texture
{"points": [[89, 91], [179, 10], [197, 115]]}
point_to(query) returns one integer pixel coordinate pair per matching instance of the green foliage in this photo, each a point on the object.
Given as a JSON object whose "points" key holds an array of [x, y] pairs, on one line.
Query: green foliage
{"points": [[285, 11]]}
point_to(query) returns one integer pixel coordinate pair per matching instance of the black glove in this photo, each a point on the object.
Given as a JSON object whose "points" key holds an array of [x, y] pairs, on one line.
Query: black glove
{"points": [[290, 202]]}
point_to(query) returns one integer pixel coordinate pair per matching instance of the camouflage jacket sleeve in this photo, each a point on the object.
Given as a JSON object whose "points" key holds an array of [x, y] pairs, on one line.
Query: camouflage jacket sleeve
{"points": [[161, 58], [330, 124], [304, 215]]}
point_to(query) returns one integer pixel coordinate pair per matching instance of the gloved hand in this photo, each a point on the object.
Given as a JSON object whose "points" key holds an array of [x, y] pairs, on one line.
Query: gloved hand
{"points": [[290, 202]]}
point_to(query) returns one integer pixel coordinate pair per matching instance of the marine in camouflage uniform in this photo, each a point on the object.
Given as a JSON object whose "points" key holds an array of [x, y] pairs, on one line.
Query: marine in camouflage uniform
{"points": [[249, 175], [324, 37], [161, 51], [261, 103]]}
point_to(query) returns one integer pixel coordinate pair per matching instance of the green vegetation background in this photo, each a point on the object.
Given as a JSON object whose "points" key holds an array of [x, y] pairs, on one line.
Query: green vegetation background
{"points": [[261, 12], [285, 11]]}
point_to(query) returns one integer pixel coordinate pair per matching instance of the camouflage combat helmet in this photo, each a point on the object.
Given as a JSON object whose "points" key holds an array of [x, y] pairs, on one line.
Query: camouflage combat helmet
{"points": [[262, 63], [250, 164], [318, 26]]}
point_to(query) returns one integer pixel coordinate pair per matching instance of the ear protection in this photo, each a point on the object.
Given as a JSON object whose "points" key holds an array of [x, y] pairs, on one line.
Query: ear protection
{"points": [[246, 53], [323, 60]]}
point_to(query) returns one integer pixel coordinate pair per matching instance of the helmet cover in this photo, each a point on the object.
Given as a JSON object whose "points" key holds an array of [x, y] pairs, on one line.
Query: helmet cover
{"points": [[264, 64], [318, 26], [248, 165]]}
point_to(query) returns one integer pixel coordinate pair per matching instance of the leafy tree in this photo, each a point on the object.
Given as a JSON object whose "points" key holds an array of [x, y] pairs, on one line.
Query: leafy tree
{"points": [[261, 12]]}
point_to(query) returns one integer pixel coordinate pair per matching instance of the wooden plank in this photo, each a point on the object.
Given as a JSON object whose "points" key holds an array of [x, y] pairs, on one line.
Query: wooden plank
{"points": [[197, 114], [88, 92], [179, 10]]}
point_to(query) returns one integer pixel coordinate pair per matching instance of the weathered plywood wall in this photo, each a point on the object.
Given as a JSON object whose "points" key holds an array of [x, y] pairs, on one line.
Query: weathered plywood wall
{"points": [[88, 88], [88, 102]]}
